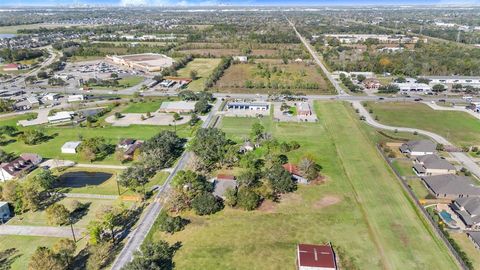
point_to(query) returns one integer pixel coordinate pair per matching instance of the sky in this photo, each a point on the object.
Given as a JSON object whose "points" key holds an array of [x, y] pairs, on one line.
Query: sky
{"points": [[229, 2]]}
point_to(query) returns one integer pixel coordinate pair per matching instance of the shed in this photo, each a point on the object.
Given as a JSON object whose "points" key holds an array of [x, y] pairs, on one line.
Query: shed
{"points": [[70, 147]]}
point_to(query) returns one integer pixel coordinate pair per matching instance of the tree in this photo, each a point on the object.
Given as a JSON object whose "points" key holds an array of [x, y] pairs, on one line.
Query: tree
{"points": [[437, 88], [206, 203], [5, 156], [194, 119], [118, 115], [209, 145], [9, 130], [45, 259], [193, 74], [65, 249], [42, 75], [100, 255], [136, 177], [152, 255], [231, 197], [114, 75], [30, 197], [248, 178], [94, 229], [32, 136], [158, 78], [162, 150], [191, 183], [202, 106], [247, 199], [308, 168], [400, 80], [112, 217], [257, 131], [45, 178], [361, 78], [170, 224], [440, 147], [176, 117], [280, 180], [58, 214]]}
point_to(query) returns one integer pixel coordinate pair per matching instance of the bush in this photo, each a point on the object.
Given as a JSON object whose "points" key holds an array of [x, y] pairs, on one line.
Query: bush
{"points": [[171, 224], [206, 204], [247, 199]]}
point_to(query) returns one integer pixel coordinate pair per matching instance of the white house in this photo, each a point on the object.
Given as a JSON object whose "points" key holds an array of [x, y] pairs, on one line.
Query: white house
{"points": [[75, 98], [70, 147]]}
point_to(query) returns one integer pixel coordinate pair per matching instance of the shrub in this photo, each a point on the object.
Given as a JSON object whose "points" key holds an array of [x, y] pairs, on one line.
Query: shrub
{"points": [[206, 204]]}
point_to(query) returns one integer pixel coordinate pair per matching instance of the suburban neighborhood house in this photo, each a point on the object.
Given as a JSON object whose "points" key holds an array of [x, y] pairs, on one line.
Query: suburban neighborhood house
{"points": [[432, 165], [23, 164], [177, 106], [468, 211], [315, 257], [222, 183], [449, 186], [418, 148], [128, 146], [252, 106], [295, 172], [475, 238]]}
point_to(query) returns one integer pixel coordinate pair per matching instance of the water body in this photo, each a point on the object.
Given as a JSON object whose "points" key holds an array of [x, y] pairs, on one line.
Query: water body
{"points": [[83, 179], [2, 36]]}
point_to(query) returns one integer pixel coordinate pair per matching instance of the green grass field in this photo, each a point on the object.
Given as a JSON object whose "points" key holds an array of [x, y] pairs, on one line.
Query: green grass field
{"points": [[204, 67], [467, 246], [52, 147], [143, 107], [361, 208], [458, 127]]}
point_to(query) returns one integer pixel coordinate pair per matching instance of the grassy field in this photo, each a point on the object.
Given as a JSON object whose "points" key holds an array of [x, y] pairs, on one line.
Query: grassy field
{"points": [[361, 208], [52, 147], [292, 76], [467, 246], [143, 107], [404, 167], [204, 67], [458, 127], [26, 246]]}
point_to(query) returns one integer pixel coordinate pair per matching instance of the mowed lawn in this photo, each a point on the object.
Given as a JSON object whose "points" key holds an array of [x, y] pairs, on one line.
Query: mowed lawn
{"points": [[459, 128], [144, 107], [204, 67], [361, 208], [52, 147]]}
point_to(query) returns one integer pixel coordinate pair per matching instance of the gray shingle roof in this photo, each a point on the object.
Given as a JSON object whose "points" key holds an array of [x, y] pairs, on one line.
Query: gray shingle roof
{"points": [[452, 185], [435, 162], [475, 237], [221, 186], [419, 146]]}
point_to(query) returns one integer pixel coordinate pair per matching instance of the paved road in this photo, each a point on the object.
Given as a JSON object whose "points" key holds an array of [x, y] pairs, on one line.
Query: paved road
{"points": [[64, 232], [461, 157], [319, 62], [136, 237]]}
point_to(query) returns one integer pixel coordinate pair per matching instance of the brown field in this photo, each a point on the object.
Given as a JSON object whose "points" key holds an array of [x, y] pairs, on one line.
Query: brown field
{"points": [[289, 75]]}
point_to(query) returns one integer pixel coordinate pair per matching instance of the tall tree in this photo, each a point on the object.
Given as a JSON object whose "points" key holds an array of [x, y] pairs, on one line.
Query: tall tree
{"points": [[209, 145]]}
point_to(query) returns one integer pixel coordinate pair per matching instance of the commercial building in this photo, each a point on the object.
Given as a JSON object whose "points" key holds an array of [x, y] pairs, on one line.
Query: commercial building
{"points": [[432, 165], [408, 87], [463, 80], [356, 38], [177, 106], [252, 106], [418, 148], [315, 257], [150, 62], [61, 117], [21, 165], [70, 147], [75, 98], [449, 186]]}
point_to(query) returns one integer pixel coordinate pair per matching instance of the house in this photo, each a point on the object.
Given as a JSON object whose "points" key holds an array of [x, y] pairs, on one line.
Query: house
{"points": [[23, 164], [61, 117], [11, 67], [251, 106], [222, 183], [371, 83], [315, 257], [241, 58], [450, 186], [246, 147], [303, 109], [4, 212], [475, 238], [432, 165], [129, 146], [177, 106], [296, 174], [418, 148], [70, 147], [75, 98], [468, 211]]}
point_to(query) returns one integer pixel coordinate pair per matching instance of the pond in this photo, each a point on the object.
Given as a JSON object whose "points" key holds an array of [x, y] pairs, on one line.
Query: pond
{"points": [[83, 179]]}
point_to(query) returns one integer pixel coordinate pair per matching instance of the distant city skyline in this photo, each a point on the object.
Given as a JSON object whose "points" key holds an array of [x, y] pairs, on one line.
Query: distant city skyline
{"points": [[16, 3]]}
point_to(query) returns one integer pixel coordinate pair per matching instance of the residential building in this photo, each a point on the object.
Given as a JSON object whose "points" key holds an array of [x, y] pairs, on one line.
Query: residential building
{"points": [[356, 38], [247, 147], [295, 172], [303, 109], [468, 211], [475, 238], [449, 186], [11, 67], [70, 147], [5, 213], [21, 165], [315, 257], [75, 98], [432, 165], [371, 83], [418, 148], [177, 106], [129, 146], [61, 117], [222, 183], [252, 106]]}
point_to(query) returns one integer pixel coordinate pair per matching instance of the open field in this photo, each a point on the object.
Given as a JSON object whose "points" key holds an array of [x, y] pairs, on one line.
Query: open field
{"points": [[272, 76], [26, 246], [404, 167], [458, 127], [372, 233], [467, 246], [143, 107], [204, 67], [39, 218], [52, 147]]}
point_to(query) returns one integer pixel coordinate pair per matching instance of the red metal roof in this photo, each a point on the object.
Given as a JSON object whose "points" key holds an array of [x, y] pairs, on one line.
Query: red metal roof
{"points": [[316, 256], [225, 177], [291, 168], [13, 65]]}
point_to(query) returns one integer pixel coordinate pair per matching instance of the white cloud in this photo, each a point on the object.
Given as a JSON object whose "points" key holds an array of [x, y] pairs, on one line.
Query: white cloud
{"points": [[133, 2]]}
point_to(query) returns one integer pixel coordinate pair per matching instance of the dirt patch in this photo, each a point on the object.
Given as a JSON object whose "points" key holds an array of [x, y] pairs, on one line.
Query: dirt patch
{"points": [[327, 201], [400, 231]]}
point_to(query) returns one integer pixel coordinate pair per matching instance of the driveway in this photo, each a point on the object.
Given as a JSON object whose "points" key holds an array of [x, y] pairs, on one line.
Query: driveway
{"points": [[158, 119]]}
